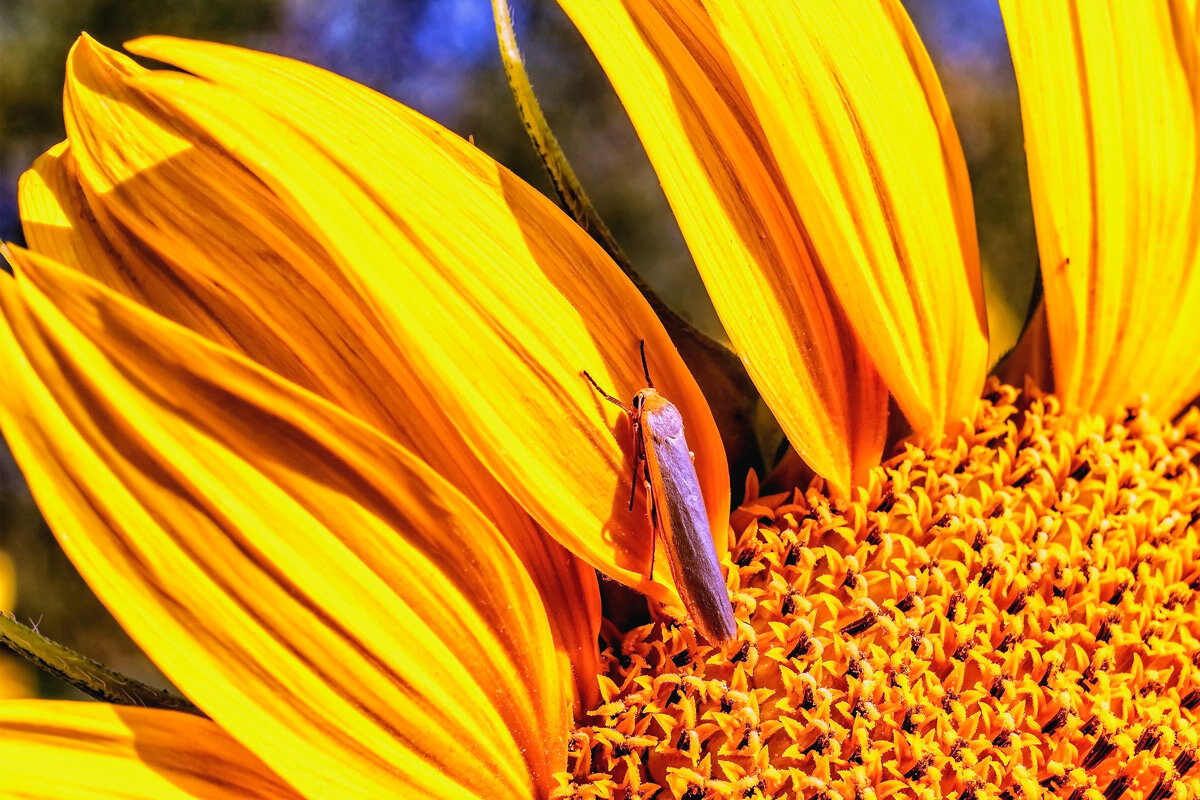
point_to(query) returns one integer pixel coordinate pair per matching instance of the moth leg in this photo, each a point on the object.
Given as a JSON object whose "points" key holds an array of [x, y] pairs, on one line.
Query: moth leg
{"points": [[653, 550], [633, 485], [653, 515], [639, 461]]}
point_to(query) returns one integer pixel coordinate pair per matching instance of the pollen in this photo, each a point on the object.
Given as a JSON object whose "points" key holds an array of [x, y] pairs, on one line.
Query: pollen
{"points": [[1013, 613]]}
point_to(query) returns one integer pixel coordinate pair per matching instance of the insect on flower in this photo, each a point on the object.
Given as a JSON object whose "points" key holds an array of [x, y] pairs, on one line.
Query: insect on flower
{"points": [[677, 511]]}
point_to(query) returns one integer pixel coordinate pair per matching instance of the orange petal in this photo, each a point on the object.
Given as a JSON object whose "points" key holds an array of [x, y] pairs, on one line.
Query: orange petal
{"points": [[495, 300], [857, 121], [331, 602], [153, 208], [1109, 105], [700, 131], [57, 750]]}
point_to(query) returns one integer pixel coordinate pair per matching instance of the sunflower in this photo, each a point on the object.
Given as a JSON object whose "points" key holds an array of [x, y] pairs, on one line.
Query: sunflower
{"points": [[295, 376]]}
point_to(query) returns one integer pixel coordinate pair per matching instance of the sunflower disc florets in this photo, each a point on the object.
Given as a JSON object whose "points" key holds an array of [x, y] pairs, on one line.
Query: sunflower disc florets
{"points": [[1011, 614]]}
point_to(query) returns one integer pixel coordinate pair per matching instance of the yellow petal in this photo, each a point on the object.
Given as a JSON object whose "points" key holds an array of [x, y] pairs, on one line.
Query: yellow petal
{"points": [[59, 222], [1109, 105], [53, 212], [857, 121], [57, 750], [698, 127], [332, 603], [495, 301], [154, 209]]}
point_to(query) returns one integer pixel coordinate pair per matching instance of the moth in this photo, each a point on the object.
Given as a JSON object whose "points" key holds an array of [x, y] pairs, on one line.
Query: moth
{"points": [[677, 512]]}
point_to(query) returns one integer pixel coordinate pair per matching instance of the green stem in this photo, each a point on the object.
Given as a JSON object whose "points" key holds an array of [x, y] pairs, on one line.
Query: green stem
{"points": [[86, 675]]}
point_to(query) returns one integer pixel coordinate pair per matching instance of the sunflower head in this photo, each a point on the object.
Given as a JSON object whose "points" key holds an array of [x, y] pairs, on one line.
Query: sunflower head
{"points": [[993, 616]]}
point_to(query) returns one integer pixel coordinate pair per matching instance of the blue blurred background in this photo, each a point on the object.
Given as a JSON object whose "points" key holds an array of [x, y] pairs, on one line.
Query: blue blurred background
{"points": [[440, 57]]}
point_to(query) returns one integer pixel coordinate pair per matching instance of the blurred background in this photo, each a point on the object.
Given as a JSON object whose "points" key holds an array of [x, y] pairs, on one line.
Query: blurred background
{"points": [[440, 57]]}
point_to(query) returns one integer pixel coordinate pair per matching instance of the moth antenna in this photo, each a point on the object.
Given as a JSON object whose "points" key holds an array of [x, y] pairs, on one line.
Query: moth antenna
{"points": [[605, 394], [645, 369]]}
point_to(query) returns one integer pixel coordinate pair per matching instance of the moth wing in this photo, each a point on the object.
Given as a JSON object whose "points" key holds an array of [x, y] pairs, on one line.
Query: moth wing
{"points": [[682, 520]]}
